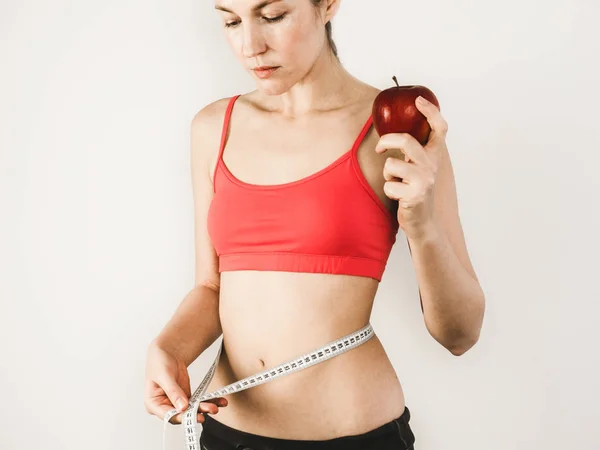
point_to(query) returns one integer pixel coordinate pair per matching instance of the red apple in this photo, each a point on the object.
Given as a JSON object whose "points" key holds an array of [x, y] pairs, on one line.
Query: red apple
{"points": [[394, 111]]}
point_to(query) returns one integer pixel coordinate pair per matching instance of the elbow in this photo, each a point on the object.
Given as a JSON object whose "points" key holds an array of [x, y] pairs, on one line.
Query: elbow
{"points": [[459, 335], [458, 341], [458, 349], [462, 342], [468, 335]]}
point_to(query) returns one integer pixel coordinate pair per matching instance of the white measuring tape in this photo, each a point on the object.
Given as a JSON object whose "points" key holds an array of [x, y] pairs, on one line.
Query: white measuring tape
{"points": [[328, 351]]}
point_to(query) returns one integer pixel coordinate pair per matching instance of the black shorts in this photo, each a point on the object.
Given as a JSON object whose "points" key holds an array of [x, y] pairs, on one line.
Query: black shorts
{"points": [[394, 435]]}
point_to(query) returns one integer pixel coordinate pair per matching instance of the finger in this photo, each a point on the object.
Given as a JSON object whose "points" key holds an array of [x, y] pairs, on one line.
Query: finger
{"points": [[395, 168], [404, 142], [220, 401], [177, 419], [439, 126], [208, 407], [396, 190], [174, 392], [161, 411]]}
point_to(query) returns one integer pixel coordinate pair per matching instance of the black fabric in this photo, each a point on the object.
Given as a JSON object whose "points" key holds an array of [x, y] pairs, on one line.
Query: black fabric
{"points": [[394, 435]]}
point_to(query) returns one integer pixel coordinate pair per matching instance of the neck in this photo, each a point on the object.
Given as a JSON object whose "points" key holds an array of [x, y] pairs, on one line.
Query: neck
{"points": [[327, 86]]}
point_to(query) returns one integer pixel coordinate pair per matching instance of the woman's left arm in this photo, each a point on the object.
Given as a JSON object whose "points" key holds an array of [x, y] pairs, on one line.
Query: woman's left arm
{"points": [[452, 299]]}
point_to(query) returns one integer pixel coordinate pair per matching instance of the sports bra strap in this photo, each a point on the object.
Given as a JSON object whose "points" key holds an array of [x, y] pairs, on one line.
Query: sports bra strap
{"points": [[361, 136], [224, 135]]}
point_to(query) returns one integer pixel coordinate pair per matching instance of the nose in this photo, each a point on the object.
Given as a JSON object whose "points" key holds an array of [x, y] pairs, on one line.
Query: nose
{"points": [[254, 42]]}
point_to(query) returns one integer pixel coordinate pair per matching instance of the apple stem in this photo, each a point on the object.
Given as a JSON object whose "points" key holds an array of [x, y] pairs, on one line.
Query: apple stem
{"points": [[395, 80]]}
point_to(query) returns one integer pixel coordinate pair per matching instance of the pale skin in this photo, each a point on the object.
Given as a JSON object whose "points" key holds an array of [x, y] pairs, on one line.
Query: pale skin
{"points": [[318, 109]]}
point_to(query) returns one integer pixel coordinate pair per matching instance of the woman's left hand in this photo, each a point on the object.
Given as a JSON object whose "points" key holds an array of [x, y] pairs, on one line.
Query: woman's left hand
{"points": [[412, 181]]}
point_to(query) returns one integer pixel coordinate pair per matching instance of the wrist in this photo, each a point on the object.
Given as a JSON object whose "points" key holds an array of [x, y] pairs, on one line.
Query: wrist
{"points": [[161, 343], [428, 232]]}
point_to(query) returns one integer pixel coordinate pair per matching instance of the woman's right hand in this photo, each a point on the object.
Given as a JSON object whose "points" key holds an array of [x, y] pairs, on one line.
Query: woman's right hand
{"points": [[167, 386]]}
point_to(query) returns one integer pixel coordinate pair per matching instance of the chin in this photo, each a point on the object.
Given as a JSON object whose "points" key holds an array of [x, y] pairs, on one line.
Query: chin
{"points": [[272, 88], [272, 92]]}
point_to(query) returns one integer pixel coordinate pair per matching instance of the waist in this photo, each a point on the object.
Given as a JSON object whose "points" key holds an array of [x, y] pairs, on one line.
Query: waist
{"points": [[270, 317], [349, 394]]}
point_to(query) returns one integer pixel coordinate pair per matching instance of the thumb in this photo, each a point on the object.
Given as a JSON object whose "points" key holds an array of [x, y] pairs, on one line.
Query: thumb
{"points": [[174, 392]]}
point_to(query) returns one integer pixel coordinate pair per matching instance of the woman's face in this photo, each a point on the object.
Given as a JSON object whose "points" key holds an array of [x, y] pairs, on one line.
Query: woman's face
{"points": [[283, 33]]}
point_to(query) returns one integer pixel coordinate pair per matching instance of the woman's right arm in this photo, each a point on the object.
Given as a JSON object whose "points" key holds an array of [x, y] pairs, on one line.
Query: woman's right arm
{"points": [[195, 325]]}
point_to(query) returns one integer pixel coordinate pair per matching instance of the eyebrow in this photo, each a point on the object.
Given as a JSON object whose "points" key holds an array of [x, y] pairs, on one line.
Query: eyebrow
{"points": [[257, 7]]}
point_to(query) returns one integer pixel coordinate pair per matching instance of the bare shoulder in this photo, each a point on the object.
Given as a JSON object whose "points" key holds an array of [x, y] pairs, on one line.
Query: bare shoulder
{"points": [[210, 115], [368, 93], [205, 133], [209, 120]]}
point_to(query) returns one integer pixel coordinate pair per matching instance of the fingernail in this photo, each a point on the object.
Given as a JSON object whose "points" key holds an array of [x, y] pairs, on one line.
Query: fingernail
{"points": [[421, 100], [180, 403]]}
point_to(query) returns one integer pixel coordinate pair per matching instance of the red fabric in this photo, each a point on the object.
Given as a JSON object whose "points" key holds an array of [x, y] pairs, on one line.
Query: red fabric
{"points": [[329, 222]]}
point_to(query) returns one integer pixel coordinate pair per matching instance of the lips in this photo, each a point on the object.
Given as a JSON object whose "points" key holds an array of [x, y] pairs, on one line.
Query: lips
{"points": [[265, 71]]}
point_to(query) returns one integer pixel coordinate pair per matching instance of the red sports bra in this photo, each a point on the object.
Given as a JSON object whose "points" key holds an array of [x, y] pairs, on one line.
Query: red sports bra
{"points": [[329, 222]]}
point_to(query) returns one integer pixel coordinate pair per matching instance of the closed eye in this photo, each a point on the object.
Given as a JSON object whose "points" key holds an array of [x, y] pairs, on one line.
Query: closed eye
{"points": [[268, 19]]}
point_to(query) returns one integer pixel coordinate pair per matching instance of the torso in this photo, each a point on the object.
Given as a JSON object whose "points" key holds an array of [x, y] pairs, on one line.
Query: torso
{"points": [[352, 393]]}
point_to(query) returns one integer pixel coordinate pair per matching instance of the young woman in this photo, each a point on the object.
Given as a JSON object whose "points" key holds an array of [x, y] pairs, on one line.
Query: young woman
{"points": [[297, 205]]}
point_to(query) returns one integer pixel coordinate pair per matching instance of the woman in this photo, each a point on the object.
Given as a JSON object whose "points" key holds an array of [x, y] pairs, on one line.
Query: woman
{"points": [[297, 205]]}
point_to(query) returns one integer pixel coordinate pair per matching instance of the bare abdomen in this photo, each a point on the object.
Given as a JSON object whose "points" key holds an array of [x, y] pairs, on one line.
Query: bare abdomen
{"points": [[269, 318]]}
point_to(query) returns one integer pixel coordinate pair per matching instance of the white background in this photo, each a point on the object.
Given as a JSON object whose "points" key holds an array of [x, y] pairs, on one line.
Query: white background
{"points": [[96, 246]]}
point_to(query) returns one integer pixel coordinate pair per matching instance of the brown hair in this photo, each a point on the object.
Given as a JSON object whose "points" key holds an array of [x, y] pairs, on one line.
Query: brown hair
{"points": [[329, 31]]}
